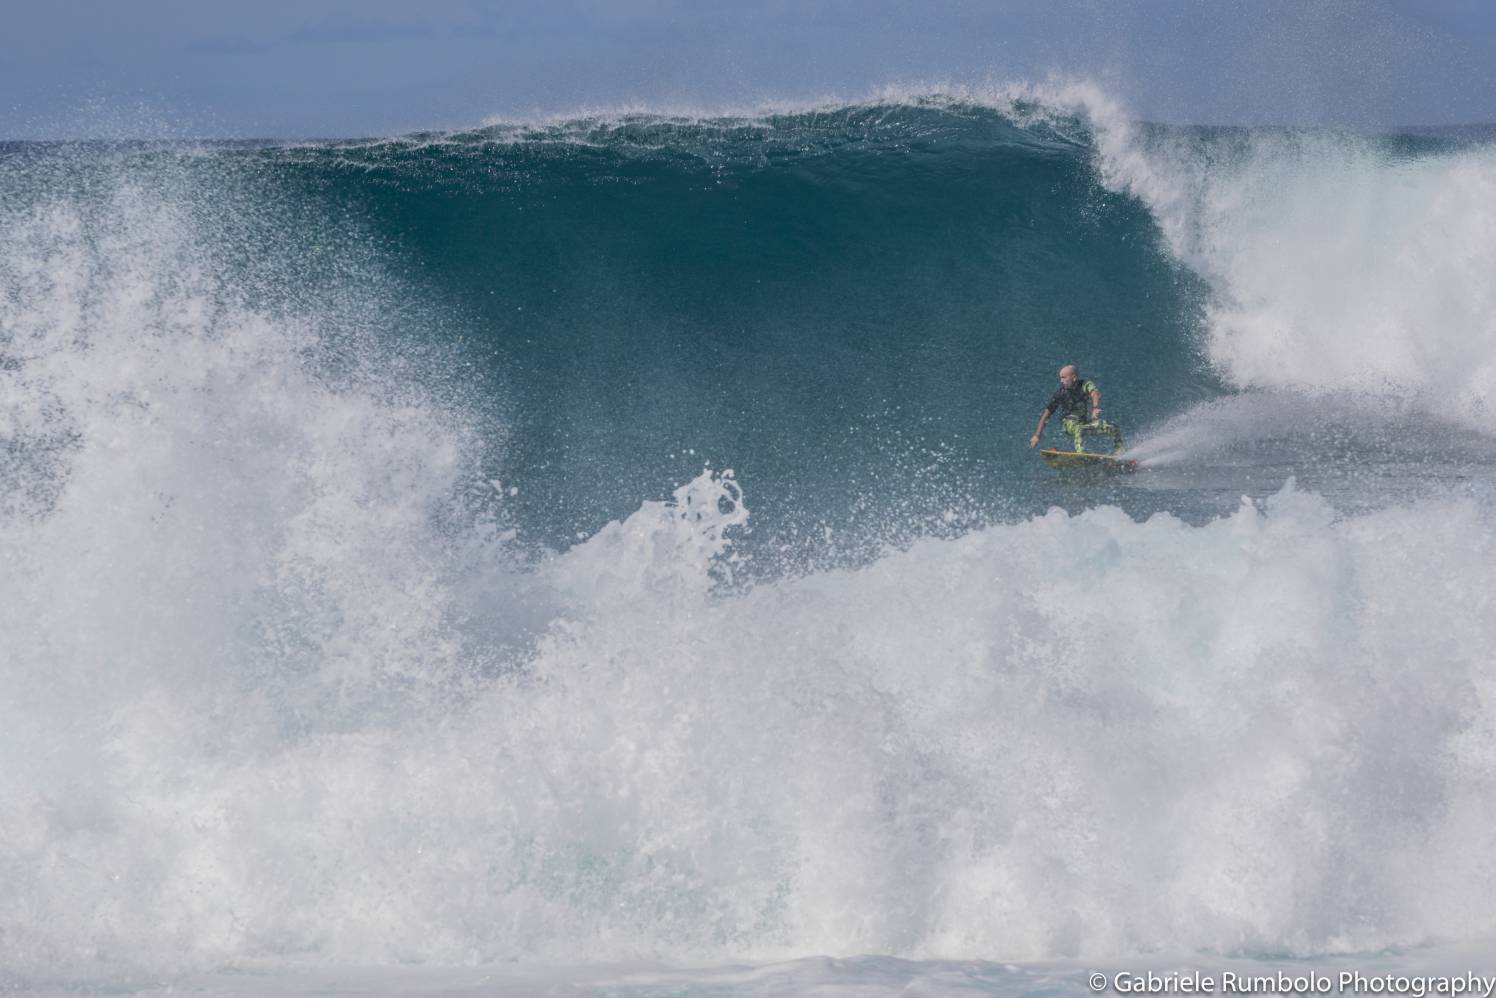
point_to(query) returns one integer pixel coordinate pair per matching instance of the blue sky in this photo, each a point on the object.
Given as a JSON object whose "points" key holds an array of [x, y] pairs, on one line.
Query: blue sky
{"points": [[277, 68]]}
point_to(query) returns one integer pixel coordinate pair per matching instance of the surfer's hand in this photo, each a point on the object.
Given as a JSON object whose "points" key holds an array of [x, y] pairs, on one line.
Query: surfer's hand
{"points": [[1034, 440]]}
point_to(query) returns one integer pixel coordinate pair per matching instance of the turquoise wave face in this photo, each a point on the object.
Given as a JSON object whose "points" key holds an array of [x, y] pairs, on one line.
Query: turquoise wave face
{"points": [[861, 311]]}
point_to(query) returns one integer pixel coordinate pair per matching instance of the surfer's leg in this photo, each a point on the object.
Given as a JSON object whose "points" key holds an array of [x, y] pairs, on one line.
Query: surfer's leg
{"points": [[1076, 429], [1099, 426]]}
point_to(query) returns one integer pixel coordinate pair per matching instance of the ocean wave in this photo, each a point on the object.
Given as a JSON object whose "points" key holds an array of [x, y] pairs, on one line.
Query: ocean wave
{"points": [[288, 676]]}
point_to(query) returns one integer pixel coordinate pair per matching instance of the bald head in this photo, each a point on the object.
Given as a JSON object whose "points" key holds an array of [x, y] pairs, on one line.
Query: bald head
{"points": [[1069, 375]]}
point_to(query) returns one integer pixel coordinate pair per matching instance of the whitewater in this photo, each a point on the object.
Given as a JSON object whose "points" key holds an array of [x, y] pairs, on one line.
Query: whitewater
{"points": [[603, 555]]}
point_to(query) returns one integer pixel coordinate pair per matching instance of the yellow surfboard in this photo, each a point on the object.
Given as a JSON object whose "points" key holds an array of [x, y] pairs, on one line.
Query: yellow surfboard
{"points": [[1095, 462]]}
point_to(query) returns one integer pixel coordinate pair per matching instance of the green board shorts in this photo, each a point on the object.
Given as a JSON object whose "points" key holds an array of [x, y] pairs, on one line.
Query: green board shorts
{"points": [[1079, 429]]}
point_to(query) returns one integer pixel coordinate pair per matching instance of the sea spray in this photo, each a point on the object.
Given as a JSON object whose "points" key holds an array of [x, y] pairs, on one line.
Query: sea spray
{"points": [[1070, 737]]}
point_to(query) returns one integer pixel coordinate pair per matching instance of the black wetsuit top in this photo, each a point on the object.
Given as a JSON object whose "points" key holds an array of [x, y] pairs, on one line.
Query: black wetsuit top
{"points": [[1073, 402]]}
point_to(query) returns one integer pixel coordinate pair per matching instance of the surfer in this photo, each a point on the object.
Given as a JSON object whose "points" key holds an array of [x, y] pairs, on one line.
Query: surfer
{"points": [[1079, 402]]}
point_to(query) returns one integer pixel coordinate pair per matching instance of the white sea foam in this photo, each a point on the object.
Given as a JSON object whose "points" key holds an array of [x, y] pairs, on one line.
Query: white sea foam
{"points": [[1338, 263], [1072, 737]]}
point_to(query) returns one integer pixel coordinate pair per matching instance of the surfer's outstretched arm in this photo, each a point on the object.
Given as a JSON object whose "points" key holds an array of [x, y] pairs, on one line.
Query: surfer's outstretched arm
{"points": [[1043, 419]]}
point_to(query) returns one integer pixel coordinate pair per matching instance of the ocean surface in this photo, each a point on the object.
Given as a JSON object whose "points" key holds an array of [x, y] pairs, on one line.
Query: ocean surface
{"points": [[603, 554]]}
